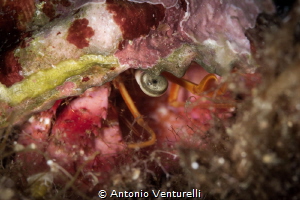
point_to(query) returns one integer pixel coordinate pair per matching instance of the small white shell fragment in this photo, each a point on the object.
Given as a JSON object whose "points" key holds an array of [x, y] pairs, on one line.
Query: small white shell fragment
{"points": [[195, 165], [221, 161], [46, 178], [32, 146], [18, 147], [136, 173]]}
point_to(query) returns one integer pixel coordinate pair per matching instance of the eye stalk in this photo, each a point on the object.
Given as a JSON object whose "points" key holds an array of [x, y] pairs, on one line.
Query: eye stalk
{"points": [[150, 84]]}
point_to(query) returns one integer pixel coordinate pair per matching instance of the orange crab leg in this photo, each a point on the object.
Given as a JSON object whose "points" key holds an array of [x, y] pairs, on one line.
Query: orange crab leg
{"points": [[172, 99], [118, 82], [206, 85]]}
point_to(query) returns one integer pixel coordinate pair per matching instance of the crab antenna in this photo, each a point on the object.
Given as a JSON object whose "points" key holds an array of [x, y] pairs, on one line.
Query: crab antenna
{"points": [[118, 82]]}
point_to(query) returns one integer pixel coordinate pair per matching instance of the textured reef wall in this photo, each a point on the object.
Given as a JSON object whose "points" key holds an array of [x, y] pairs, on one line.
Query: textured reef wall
{"points": [[65, 127]]}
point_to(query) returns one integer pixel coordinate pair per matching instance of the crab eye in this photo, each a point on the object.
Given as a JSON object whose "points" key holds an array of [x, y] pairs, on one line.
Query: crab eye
{"points": [[150, 84]]}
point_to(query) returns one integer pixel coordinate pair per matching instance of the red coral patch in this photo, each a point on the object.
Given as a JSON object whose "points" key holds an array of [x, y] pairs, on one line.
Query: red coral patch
{"points": [[135, 19], [85, 79], [9, 69], [79, 33], [50, 7]]}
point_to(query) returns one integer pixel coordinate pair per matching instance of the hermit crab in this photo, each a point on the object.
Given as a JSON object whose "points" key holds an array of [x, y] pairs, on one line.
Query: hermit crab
{"points": [[78, 50]]}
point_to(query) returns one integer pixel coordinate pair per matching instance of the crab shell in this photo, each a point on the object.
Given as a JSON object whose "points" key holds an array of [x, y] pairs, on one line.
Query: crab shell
{"points": [[70, 47]]}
